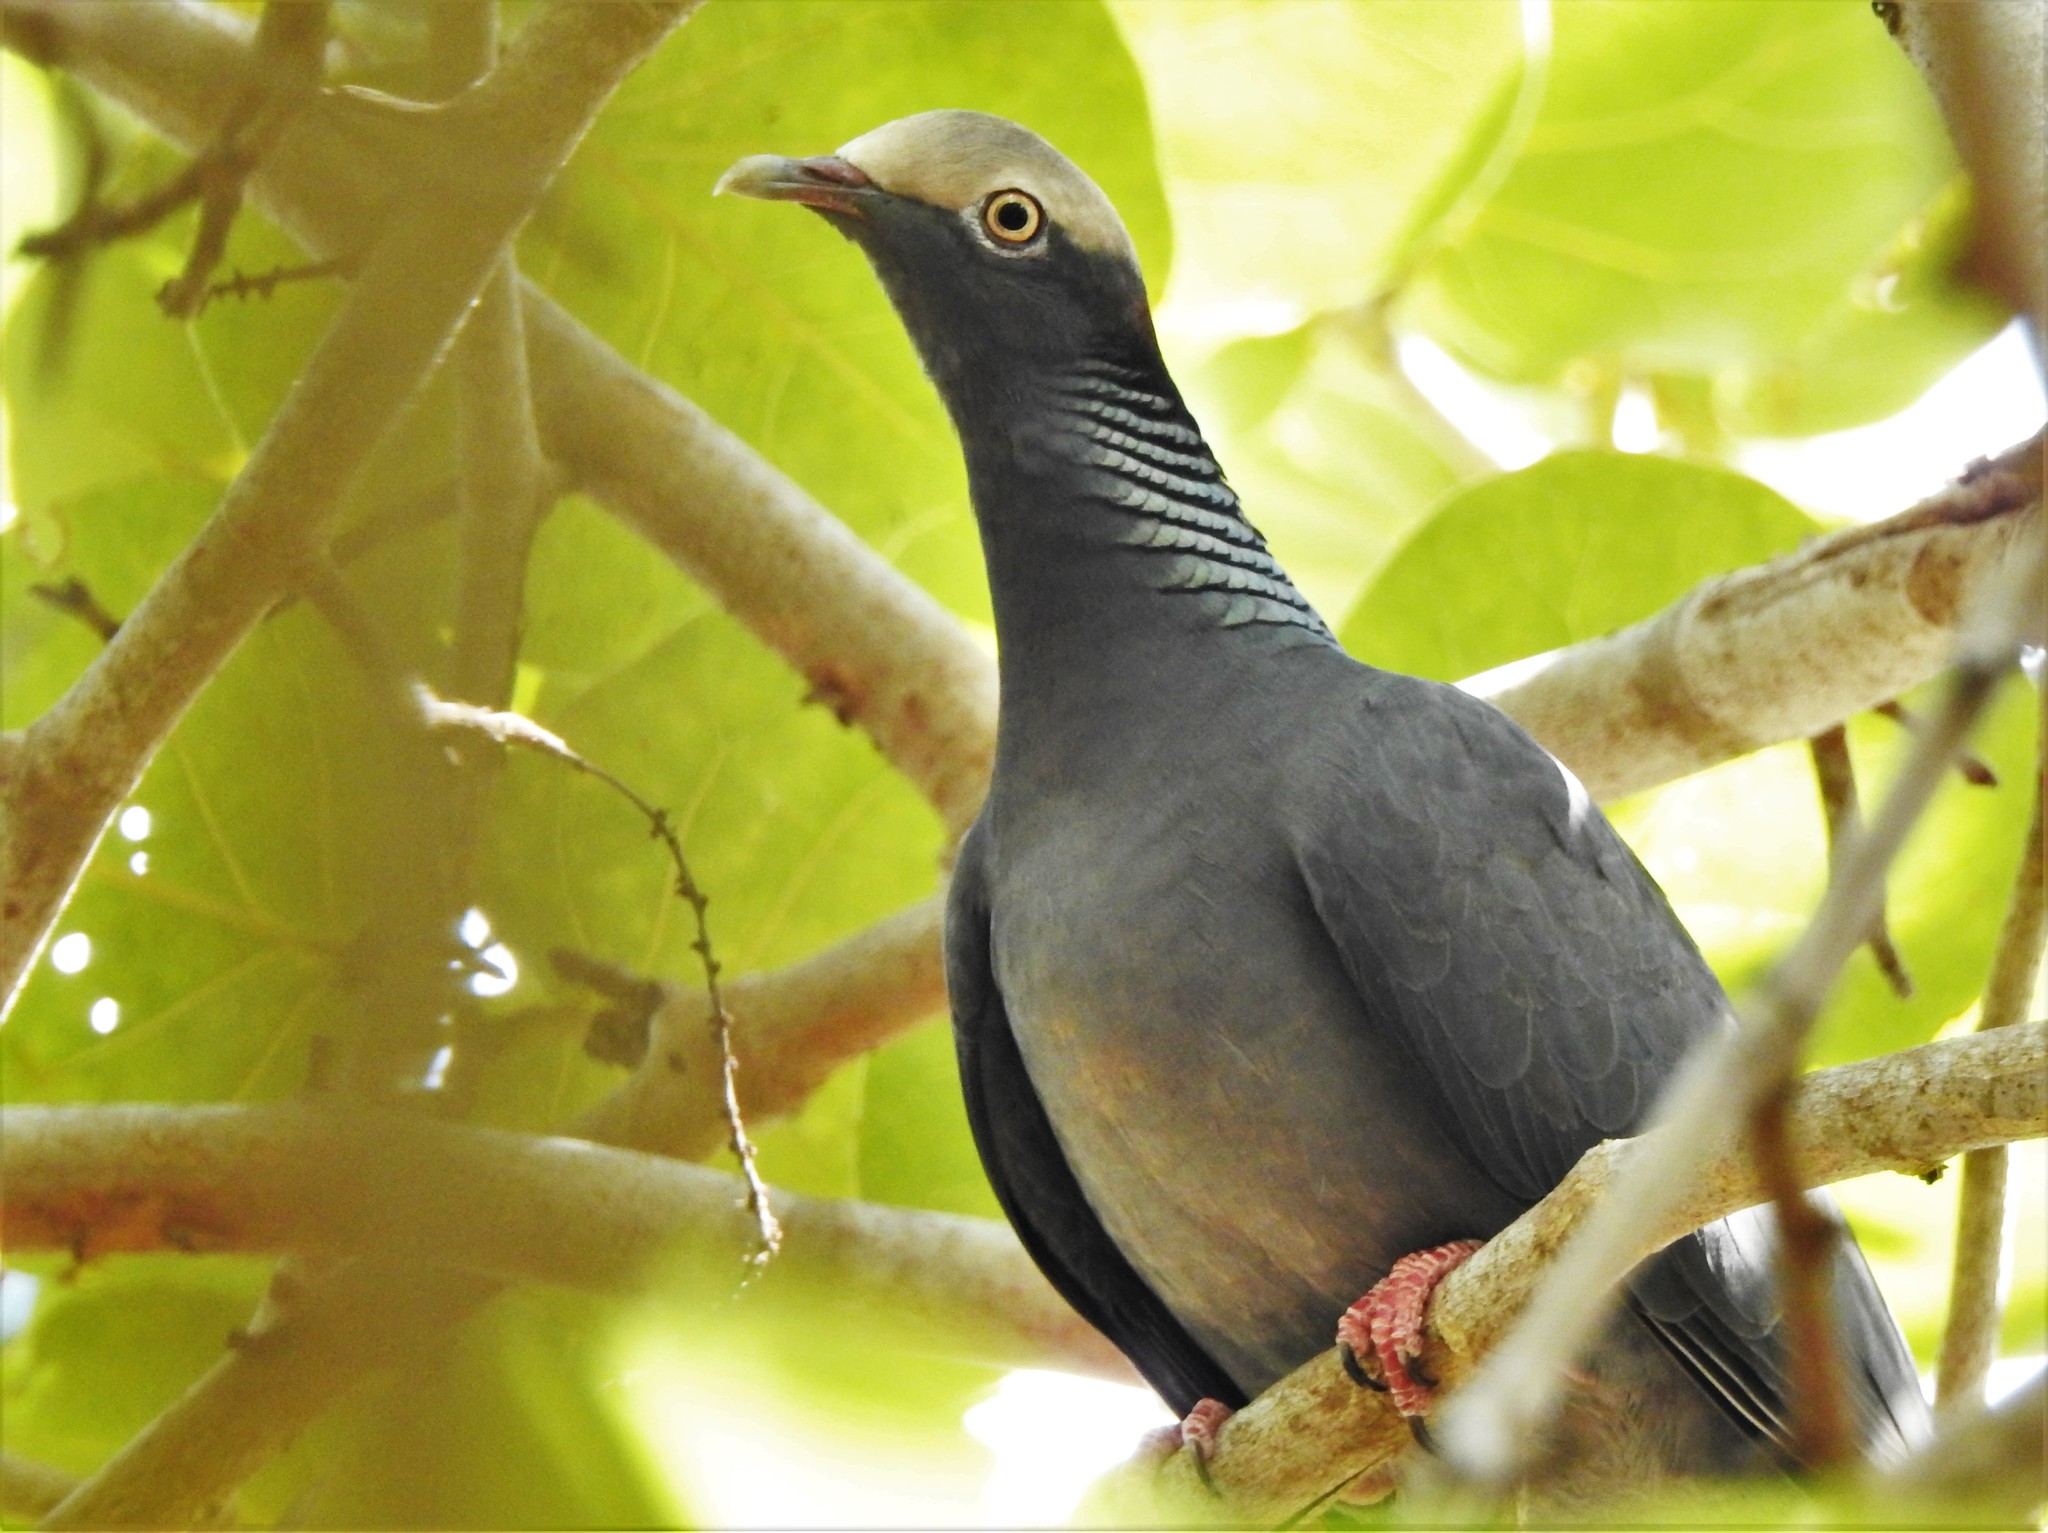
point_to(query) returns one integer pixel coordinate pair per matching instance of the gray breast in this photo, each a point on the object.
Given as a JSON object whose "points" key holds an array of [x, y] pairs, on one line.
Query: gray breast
{"points": [[1255, 1147]]}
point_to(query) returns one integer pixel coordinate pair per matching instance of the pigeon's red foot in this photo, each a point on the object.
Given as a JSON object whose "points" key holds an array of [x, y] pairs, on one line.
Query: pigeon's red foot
{"points": [[1383, 1330], [1197, 1432]]}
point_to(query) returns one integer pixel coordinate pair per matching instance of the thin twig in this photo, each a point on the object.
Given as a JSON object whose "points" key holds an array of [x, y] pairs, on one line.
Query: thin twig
{"points": [[1835, 773], [74, 598], [1771, 654], [291, 40], [93, 223], [1973, 769], [242, 285], [440, 241], [1488, 1427], [1315, 1431], [1805, 1266], [507, 728], [1970, 1339]]}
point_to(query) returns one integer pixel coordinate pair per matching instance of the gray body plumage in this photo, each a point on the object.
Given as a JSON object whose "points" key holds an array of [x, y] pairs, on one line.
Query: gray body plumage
{"points": [[1268, 967]]}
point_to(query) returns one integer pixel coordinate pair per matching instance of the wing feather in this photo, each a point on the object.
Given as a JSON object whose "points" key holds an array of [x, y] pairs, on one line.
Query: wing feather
{"points": [[1491, 918]]}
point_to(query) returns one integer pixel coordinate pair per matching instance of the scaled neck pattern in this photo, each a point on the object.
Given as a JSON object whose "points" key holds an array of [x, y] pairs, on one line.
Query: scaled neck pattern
{"points": [[1141, 456]]}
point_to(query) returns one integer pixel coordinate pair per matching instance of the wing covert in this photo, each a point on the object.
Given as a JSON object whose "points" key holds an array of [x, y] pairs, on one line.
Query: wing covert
{"points": [[1491, 919]]}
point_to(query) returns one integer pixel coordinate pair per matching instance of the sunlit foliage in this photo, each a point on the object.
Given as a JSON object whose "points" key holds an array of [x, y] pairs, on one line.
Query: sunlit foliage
{"points": [[1746, 211]]}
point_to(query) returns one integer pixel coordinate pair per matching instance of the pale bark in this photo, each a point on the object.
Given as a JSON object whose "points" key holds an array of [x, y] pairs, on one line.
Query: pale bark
{"points": [[1315, 1431], [457, 1201], [1982, 1469], [333, 1184], [1487, 1429], [1805, 642], [1970, 1339], [1983, 61], [873, 645], [1782, 650], [29, 1489], [889, 658], [74, 765], [793, 1027]]}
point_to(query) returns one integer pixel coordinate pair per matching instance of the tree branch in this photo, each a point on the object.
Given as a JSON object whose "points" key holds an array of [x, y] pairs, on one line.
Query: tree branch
{"points": [[1309, 1435], [1983, 62], [1487, 1429], [102, 1179], [407, 1190], [793, 1027], [1970, 1339], [1783, 650], [1776, 653], [76, 763], [29, 1489], [1983, 1468]]}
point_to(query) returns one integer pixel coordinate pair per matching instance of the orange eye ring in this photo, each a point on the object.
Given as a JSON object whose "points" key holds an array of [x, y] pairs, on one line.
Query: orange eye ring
{"points": [[1012, 217]]}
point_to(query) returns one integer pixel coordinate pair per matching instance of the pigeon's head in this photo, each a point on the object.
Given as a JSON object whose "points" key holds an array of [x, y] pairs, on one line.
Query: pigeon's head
{"points": [[995, 248]]}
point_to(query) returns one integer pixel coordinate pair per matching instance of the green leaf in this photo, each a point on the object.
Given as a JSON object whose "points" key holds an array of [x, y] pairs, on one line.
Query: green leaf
{"points": [[113, 1344], [129, 392], [915, 1147], [509, 1422], [760, 313], [792, 823], [1567, 549], [1885, 341], [1300, 141], [1741, 851], [1702, 186], [1332, 450], [214, 921]]}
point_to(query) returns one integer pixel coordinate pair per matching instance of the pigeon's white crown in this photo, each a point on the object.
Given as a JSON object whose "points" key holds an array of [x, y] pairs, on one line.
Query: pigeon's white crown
{"points": [[956, 159]]}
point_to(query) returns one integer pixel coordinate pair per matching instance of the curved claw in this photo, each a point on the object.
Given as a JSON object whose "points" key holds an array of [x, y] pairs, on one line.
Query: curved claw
{"points": [[1382, 1333]]}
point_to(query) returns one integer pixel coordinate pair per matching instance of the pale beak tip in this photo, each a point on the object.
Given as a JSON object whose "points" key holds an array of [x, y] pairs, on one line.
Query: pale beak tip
{"points": [[746, 177]]}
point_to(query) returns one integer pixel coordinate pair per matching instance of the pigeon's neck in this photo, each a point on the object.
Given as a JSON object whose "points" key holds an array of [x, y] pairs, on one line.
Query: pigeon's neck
{"points": [[1119, 560]]}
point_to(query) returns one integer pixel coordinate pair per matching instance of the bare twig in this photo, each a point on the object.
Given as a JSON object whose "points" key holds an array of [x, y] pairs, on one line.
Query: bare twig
{"points": [[286, 61], [242, 285], [1487, 1427], [290, 41], [93, 223], [1970, 1339], [1782, 650], [1821, 1437], [1973, 769], [255, 1401], [1835, 773], [797, 1025], [1316, 1431], [77, 762], [512, 729], [1777, 653], [74, 597]]}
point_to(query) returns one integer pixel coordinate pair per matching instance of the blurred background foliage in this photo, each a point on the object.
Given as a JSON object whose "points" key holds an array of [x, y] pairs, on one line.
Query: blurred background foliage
{"points": [[1739, 216]]}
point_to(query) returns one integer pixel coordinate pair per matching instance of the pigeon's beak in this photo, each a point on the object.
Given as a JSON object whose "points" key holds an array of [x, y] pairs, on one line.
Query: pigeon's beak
{"points": [[826, 183]]}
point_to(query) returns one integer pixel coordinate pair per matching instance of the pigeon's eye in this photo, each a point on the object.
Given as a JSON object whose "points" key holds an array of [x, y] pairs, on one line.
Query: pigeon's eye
{"points": [[1014, 218]]}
